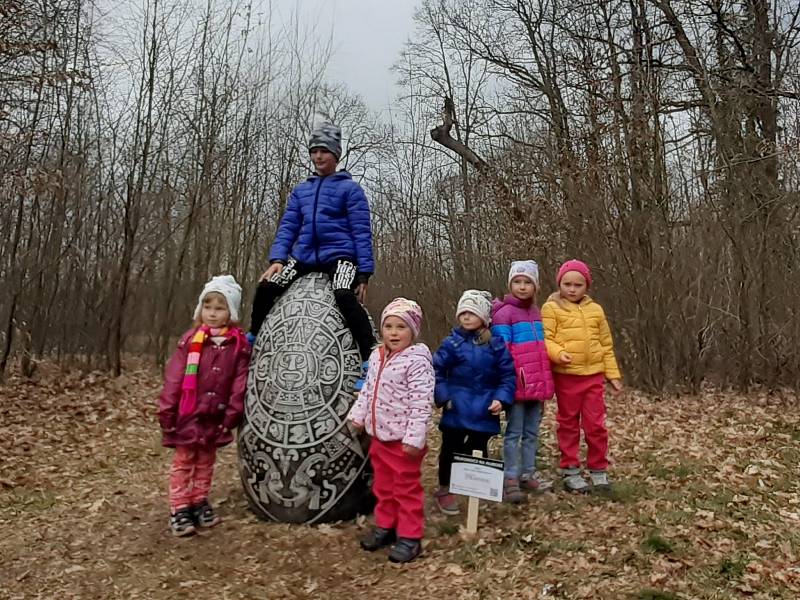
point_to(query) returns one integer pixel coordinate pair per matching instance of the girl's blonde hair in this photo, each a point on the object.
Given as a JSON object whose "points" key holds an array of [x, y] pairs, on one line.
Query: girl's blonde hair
{"points": [[199, 320], [484, 336]]}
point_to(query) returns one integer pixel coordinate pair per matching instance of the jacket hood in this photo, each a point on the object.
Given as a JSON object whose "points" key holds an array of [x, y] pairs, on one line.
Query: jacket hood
{"points": [[338, 175], [416, 350], [566, 304], [420, 350], [514, 301]]}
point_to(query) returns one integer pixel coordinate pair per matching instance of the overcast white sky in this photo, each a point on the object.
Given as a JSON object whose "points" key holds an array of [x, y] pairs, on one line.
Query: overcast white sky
{"points": [[368, 37]]}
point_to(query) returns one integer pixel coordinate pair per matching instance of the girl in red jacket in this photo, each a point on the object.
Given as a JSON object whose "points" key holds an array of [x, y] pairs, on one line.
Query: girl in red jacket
{"points": [[202, 401]]}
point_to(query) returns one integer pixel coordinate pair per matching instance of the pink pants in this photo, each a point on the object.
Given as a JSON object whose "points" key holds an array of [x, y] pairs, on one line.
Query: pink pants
{"points": [[190, 475], [581, 404], [398, 488]]}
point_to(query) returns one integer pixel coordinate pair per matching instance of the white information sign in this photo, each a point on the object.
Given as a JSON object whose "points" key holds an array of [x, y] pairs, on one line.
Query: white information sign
{"points": [[477, 477]]}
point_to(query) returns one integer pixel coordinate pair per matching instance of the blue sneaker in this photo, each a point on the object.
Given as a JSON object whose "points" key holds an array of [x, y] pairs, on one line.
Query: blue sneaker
{"points": [[360, 381]]}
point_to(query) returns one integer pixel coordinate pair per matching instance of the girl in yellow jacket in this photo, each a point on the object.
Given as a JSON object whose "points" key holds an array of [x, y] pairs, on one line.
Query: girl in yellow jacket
{"points": [[580, 347]]}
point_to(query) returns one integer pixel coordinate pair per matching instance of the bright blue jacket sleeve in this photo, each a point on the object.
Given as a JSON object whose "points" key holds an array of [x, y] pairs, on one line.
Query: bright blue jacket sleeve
{"points": [[443, 360], [288, 230], [359, 217]]}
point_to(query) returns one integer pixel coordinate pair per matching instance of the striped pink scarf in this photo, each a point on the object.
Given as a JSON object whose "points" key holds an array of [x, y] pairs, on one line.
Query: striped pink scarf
{"points": [[188, 402]]}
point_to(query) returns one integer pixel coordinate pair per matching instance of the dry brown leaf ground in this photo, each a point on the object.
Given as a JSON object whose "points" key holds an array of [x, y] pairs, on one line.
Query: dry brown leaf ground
{"points": [[706, 505]]}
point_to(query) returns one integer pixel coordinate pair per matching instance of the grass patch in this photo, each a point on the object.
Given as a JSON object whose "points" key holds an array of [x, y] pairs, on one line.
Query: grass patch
{"points": [[518, 540], [733, 568], [718, 502], [625, 492], [682, 470], [563, 546], [469, 556], [446, 528], [659, 545], [674, 517], [24, 500], [651, 594]]}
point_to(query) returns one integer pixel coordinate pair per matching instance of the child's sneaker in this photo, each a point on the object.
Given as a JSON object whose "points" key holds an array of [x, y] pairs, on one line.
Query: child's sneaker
{"points": [[405, 550], [534, 483], [446, 502], [181, 522], [360, 381], [511, 492], [378, 537], [574, 482], [600, 481], [204, 515]]}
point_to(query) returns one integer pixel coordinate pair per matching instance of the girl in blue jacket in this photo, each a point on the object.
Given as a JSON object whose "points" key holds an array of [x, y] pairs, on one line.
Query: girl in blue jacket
{"points": [[326, 228], [475, 381]]}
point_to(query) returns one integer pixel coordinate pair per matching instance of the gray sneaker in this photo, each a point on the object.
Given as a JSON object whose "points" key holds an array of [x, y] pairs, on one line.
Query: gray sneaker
{"points": [[600, 481], [574, 482]]}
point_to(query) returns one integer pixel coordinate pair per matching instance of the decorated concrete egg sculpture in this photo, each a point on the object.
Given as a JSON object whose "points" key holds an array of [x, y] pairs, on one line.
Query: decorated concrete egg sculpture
{"points": [[298, 459]]}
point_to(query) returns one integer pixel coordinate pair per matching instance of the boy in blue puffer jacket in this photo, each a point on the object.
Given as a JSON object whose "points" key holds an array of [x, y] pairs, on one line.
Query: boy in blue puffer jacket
{"points": [[326, 228], [475, 381]]}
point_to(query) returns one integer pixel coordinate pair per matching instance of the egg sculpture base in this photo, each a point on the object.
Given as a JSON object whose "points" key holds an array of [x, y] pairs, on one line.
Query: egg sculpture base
{"points": [[299, 461]]}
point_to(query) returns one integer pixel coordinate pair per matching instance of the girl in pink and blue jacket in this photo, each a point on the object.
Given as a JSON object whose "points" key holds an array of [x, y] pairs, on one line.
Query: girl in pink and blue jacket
{"points": [[517, 320], [394, 406]]}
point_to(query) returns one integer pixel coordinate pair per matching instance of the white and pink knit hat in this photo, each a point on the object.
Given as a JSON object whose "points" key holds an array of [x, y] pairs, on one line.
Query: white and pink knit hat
{"points": [[405, 309]]}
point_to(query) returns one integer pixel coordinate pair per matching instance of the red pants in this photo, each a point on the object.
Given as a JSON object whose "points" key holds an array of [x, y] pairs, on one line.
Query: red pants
{"points": [[581, 404], [190, 475], [398, 489]]}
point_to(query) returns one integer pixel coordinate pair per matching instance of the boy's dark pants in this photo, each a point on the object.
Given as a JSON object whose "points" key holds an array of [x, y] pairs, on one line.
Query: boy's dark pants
{"points": [[459, 441], [343, 279]]}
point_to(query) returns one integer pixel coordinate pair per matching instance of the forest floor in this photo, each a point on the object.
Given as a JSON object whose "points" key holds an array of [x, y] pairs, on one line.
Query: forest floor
{"points": [[706, 505]]}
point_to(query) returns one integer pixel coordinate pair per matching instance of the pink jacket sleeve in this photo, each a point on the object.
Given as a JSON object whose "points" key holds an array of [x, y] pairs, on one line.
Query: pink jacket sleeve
{"points": [[235, 410], [421, 382], [173, 380]]}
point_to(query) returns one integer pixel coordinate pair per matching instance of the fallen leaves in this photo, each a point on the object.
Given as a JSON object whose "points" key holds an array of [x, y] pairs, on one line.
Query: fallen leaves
{"points": [[713, 477]]}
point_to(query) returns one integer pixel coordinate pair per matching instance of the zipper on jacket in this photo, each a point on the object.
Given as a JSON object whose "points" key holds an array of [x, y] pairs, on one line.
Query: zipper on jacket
{"points": [[585, 334], [314, 222], [384, 360]]}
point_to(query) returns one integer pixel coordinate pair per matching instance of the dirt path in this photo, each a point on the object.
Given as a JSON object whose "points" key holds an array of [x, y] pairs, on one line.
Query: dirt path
{"points": [[706, 505]]}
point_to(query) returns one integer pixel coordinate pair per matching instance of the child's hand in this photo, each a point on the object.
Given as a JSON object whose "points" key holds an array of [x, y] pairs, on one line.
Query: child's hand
{"points": [[361, 292], [411, 450], [495, 407], [616, 386], [359, 427], [273, 269], [565, 358]]}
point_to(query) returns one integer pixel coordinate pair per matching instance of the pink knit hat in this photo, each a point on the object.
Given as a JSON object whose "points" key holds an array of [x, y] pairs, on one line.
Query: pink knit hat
{"points": [[405, 309], [578, 266]]}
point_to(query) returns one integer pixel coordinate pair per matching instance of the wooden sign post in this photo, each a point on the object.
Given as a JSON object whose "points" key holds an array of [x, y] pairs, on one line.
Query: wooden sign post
{"points": [[478, 478]]}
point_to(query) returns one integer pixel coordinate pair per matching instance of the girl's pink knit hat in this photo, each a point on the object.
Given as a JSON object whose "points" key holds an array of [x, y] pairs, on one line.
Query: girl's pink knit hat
{"points": [[575, 265], [407, 310]]}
